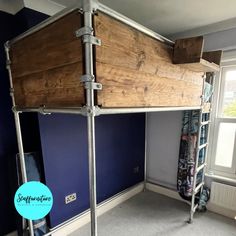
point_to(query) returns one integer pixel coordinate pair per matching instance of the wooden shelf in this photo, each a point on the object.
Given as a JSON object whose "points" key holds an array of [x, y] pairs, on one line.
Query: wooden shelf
{"points": [[202, 66], [189, 54]]}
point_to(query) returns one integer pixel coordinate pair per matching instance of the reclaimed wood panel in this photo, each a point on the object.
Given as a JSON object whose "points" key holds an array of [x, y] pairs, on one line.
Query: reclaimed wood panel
{"points": [[137, 71], [189, 54], [188, 50], [51, 47], [125, 88], [202, 65], [47, 66], [58, 87], [213, 56]]}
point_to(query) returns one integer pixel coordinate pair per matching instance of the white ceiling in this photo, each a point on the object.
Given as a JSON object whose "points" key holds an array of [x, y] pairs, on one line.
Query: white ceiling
{"points": [[11, 6], [169, 17]]}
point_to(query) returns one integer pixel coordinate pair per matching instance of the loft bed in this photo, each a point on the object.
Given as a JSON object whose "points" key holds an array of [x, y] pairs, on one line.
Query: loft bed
{"points": [[91, 60], [132, 68]]}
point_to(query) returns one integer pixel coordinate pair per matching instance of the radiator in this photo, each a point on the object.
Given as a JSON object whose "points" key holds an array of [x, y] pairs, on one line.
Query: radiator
{"points": [[223, 195]]}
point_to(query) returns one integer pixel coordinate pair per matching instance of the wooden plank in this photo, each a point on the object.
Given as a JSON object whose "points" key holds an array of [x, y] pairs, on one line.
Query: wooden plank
{"points": [[189, 53], [126, 88], [47, 66], [137, 71], [188, 50], [213, 56], [51, 47], [201, 66], [58, 87]]}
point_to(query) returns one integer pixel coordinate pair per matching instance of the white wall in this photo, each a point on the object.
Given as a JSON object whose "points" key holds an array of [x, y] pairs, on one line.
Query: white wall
{"points": [[163, 139], [164, 129], [225, 40]]}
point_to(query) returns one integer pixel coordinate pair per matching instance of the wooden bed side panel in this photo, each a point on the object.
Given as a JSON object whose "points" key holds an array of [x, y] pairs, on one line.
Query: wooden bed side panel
{"points": [[58, 87], [47, 65], [137, 71], [124, 88]]}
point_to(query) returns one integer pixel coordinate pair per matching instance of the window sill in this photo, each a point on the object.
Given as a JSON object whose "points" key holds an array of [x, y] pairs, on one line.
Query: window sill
{"points": [[222, 178]]}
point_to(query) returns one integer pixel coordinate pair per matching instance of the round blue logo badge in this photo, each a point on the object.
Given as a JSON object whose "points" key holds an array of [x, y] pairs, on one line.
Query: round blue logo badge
{"points": [[33, 200]]}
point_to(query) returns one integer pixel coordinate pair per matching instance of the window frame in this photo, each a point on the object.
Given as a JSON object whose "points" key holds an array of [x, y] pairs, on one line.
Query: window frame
{"points": [[217, 118], [224, 70], [232, 169]]}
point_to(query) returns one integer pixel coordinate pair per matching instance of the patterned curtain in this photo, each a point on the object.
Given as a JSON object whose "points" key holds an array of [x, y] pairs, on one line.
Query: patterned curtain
{"points": [[188, 151]]}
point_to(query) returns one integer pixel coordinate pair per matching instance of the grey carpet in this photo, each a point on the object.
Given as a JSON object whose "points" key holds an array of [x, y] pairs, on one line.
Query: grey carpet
{"points": [[151, 214]]}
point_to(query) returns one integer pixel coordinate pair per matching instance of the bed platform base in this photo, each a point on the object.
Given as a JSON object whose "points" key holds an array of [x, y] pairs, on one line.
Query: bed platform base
{"points": [[97, 111]]}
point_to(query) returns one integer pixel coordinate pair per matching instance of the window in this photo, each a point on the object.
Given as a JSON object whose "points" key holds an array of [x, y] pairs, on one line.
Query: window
{"points": [[225, 145], [228, 93], [223, 148]]}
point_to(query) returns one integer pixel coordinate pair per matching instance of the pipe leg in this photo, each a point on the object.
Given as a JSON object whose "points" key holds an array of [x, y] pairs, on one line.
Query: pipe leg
{"points": [[22, 161], [145, 154], [92, 174], [190, 221], [89, 57]]}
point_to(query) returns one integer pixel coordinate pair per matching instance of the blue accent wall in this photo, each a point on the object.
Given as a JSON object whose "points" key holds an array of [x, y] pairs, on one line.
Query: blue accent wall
{"points": [[7, 132], [119, 150], [10, 26]]}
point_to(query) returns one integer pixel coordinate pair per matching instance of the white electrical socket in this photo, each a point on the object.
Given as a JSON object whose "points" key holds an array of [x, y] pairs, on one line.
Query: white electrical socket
{"points": [[70, 198]]}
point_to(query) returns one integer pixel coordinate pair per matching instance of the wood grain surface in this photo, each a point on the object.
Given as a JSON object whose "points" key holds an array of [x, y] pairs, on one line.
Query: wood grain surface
{"points": [[189, 54], [188, 50], [58, 87], [137, 71], [213, 56], [202, 65], [47, 65]]}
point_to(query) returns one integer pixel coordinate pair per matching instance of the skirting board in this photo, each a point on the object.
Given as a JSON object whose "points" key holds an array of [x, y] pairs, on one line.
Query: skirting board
{"points": [[111, 203], [122, 197], [221, 210], [102, 208], [12, 234], [173, 194]]}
